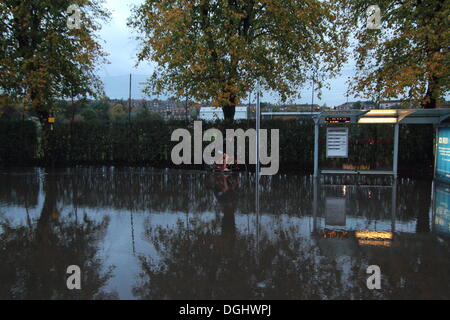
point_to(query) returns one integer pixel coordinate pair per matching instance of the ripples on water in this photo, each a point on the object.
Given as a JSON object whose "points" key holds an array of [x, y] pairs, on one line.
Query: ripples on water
{"points": [[166, 234]]}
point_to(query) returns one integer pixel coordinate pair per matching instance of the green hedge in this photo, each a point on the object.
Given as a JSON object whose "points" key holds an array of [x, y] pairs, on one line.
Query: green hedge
{"points": [[18, 143], [147, 143], [141, 143]]}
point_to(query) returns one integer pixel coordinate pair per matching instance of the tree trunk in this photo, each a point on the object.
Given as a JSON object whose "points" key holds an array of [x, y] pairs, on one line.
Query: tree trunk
{"points": [[45, 241], [49, 210], [229, 112], [430, 99], [46, 138]]}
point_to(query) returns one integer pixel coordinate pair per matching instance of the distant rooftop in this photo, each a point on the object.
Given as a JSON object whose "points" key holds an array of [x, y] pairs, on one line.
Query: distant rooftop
{"points": [[214, 109]]}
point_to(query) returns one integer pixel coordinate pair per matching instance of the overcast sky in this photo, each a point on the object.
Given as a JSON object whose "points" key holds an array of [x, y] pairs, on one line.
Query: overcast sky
{"points": [[119, 43]]}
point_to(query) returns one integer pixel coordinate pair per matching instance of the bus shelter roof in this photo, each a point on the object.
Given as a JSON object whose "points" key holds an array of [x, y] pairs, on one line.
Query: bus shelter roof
{"points": [[386, 116]]}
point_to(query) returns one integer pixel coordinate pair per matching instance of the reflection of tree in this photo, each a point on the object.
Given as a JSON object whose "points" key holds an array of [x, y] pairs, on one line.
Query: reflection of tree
{"points": [[20, 188], [200, 265], [158, 191], [225, 193], [35, 256], [412, 268]]}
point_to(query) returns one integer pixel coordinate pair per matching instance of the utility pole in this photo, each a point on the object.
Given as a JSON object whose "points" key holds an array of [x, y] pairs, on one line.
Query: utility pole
{"points": [[186, 108], [129, 122], [348, 84], [258, 124], [129, 103], [312, 94]]}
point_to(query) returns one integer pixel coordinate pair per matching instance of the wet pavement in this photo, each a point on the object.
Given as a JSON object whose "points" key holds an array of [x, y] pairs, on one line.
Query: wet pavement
{"points": [[168, 234]]}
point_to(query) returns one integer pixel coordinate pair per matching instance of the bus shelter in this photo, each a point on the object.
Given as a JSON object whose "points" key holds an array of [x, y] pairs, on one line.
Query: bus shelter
{"points": [[337, 139]]}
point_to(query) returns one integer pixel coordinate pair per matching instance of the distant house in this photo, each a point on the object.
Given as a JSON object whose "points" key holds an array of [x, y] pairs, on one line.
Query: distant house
{"points": [[215, 113], [359, 105], [288, 115], [307, 107], [345, 106], [392, 104], [294, 108]]}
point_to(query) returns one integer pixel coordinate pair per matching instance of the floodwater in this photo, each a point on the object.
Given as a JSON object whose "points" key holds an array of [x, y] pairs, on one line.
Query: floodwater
{"points": [[168, 234]]}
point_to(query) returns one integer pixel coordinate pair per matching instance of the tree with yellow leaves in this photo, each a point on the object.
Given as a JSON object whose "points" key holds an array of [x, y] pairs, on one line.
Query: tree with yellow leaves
{"points": [[408, 56], [217, 50], [42, 58]]}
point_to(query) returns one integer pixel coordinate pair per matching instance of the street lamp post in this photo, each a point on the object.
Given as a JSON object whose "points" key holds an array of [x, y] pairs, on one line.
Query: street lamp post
{"points": [[258, 125]]}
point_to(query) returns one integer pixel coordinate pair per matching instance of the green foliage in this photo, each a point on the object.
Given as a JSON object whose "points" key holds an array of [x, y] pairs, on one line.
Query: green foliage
{"points": [[18, 142], [117, 112], [100, 142], [9, 113], [41, 59], [217, 50], [146, 115], [195, 113], [148, 143], [10, 110], [89, 114], [409, 56]]}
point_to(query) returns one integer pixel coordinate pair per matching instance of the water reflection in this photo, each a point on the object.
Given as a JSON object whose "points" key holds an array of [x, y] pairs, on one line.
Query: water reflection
{"points": [[35, 255], [195, 235], [441, 204]]}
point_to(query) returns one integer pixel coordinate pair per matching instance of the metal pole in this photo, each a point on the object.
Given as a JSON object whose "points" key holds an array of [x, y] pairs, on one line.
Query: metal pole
{"points": [[132, 233], [312, 95], [257, 209], [258, 125], [316, 147], [129, 122], [186, 108], [315, 203], [395, 160], [432, 214], [129, 102], [394, 205], [347, 88]]}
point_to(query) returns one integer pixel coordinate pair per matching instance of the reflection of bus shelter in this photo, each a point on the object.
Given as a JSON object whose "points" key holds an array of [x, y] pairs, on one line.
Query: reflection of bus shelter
{"points": [[393, 117], [364, 237]]}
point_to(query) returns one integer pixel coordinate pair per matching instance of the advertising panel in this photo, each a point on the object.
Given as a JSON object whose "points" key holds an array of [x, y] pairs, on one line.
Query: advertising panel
{"points": [[443, 154]]}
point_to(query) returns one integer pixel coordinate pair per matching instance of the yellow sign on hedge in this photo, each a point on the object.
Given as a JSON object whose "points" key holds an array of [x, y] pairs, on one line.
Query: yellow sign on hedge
{"points": [[51, 120]]}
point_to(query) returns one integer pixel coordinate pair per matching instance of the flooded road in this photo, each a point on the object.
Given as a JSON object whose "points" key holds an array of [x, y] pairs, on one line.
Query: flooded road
{"points": [[168, 234]]}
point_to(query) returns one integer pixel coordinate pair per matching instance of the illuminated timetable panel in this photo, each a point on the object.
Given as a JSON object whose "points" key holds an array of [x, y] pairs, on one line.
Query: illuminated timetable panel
{"points": [[337, 142], [337, 120]]}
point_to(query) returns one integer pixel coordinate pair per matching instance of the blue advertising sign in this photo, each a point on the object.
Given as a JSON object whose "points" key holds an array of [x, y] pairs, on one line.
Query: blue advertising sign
{"points": [[443, 154], [442, 207]]}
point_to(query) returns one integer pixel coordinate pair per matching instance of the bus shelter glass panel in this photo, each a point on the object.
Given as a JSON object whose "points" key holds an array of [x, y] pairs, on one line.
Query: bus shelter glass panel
{"points": [[368, 147]]}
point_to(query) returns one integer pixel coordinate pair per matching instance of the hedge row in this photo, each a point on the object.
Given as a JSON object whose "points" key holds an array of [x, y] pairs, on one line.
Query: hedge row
{"points": [[148, 143], [18, 143]]}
